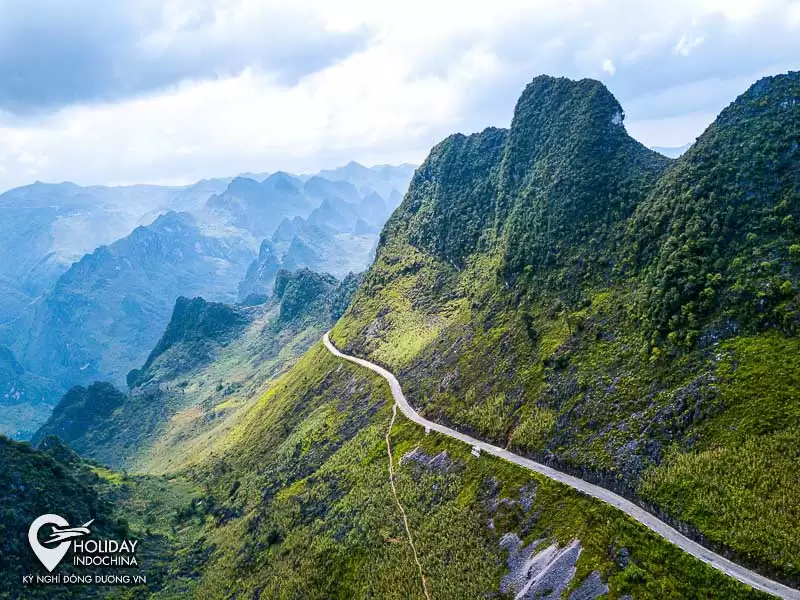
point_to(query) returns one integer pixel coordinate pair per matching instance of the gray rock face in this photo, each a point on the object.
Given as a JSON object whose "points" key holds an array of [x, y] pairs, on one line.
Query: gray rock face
{"points": [[591, 588], [441, 463], [537, 571]]}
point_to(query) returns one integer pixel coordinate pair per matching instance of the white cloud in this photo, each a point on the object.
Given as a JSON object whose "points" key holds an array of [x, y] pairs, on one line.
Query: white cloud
{"points": [[421, 69], [686, 44]]}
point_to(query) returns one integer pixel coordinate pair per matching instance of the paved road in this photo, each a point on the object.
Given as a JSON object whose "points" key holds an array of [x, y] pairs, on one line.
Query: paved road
{"points": [[720, 563]]}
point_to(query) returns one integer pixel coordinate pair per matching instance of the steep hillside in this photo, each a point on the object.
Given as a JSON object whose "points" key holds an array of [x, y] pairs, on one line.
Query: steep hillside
{"points": [[303, 507], [714, 240], [48, 226], [54, 479], [50, 315], [560, 289], [569, 175], [25, 399], [106, 312], [211, 363], [260, 277]]}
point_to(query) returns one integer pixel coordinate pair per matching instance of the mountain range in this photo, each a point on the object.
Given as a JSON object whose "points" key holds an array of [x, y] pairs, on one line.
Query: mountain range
{"points": [[90, 274], [563, 291], [554, 288], [212, 360]]}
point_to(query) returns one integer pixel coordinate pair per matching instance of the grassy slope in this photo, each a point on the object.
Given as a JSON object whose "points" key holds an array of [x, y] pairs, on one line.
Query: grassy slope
{"points": [[571, 386], [156, 511], [212, 398], [701, 420], [303, 507], [212, 363]]}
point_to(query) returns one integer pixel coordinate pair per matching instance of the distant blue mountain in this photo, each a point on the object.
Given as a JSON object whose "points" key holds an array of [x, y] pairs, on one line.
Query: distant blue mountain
{"points": [[89, 275]]}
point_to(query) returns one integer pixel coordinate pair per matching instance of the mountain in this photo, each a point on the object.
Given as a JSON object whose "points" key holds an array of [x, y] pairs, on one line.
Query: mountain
{"points": [[33, 483], [312, 243], [324, 224], [385, 180], [374, 209], [211, 363], [52, 244], [46, 227], [259, 207], [306, 509], [394, 199], [111, 306], [260, 277], [561, 290], [543, 288], [299, 488], [341, 216], [192, 198], [337, 216], [321, 189], [25, 398]]}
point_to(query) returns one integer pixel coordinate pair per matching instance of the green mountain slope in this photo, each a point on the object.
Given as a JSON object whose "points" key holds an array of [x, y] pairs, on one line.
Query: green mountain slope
{"points": [[562, 290], [159, 512], [542, 287], [303, 508], [211, 363]]}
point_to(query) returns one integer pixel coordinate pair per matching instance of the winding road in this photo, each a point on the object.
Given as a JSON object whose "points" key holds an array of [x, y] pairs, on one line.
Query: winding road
{"points": [[720, 563]]}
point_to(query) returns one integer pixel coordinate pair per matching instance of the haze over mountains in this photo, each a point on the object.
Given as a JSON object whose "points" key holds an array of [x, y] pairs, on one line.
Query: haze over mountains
{"points": [[211, 361], [89, 275]]}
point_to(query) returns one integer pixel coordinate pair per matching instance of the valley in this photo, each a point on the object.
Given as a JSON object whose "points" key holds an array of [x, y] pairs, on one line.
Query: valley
{"points": [[88, 302]]}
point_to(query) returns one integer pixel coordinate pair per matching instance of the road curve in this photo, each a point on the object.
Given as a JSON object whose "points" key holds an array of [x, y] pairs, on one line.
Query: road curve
{"points": [[636, 512]]}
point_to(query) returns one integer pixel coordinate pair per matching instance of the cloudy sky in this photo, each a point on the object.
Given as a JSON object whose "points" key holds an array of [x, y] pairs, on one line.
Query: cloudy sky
{"points": [[99, 91]]}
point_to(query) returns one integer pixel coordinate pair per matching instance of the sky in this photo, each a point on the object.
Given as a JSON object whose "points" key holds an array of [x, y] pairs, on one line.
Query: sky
{"points": [[174, 91]]}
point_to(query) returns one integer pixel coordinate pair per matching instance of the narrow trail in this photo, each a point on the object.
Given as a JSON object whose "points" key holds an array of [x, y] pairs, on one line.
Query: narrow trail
{"points": [[636, 512], [400, 506]]}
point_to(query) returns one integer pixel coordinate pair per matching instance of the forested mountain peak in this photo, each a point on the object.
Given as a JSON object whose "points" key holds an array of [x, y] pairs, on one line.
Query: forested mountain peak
{"points": [[195, 321], [569, 174], [715, 237], [563, 177]]}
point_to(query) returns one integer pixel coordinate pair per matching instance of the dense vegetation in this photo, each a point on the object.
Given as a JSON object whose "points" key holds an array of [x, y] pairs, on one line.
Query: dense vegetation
{"points": [[211, 364], [155, 511], [555, 288], [714, 240], [570, 174], [609, 311], [303, 507], [79, 412]]}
